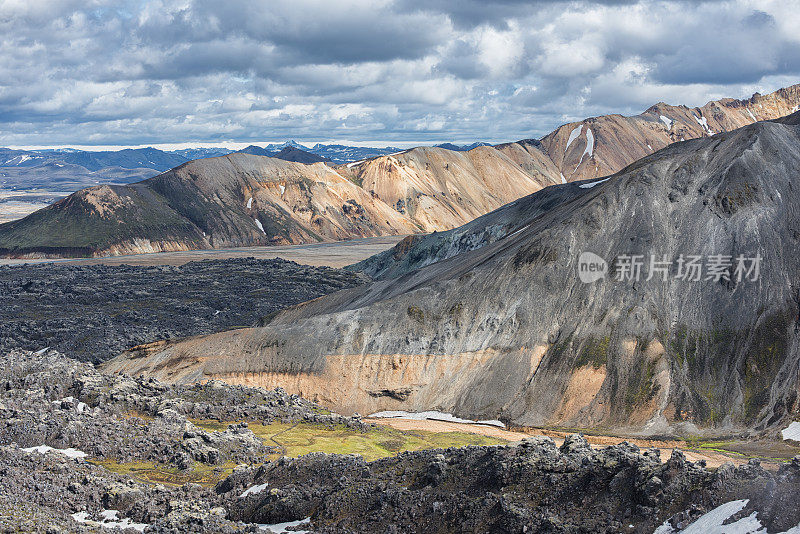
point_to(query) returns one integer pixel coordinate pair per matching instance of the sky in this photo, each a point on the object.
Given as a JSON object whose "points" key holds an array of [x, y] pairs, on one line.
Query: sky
{"points": [[370, 72]]}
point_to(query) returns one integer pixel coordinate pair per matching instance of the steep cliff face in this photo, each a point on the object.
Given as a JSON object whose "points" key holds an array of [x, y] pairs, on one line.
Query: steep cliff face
{"points": [[601, 146], [509, 330]]}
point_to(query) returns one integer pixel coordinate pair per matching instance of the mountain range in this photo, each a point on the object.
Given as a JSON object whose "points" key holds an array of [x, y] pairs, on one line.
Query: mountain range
{"points": [[419, 190], [493, 320]]}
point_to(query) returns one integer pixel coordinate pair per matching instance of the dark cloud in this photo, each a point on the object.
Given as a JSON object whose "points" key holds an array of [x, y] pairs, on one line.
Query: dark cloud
{"points": [[161, 71]]}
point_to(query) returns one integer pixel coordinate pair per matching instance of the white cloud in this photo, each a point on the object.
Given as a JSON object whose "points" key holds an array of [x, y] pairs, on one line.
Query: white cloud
{"points": [[170, 71]]}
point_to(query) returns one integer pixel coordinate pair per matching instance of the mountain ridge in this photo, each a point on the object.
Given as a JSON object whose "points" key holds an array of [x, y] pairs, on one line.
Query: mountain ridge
{"points": [[426, 189]]}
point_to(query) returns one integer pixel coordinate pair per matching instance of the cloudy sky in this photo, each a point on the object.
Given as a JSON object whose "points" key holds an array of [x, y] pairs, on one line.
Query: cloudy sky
{"points": [[400, 72]]}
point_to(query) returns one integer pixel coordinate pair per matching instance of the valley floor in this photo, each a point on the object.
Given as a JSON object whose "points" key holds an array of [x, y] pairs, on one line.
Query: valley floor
{"points": [[333, 254]]}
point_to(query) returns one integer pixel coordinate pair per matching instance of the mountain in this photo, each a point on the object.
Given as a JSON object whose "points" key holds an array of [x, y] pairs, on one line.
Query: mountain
{"points": [[601, 146], [462, 148], [432, 188], [234, 200], [256, 151], [442, 189], [205, 203], [347, 154], [130, 158], [288, 151], [291, 153], [503, 327], [200, 153]]}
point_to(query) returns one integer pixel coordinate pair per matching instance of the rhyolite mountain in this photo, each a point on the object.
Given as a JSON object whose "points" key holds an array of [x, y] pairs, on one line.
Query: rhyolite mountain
{"points": [[244, 200], [600, 146], [506, 329]]}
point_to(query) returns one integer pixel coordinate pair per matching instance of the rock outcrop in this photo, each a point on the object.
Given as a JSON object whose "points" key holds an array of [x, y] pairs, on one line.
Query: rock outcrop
{"points": [[508, 330]]}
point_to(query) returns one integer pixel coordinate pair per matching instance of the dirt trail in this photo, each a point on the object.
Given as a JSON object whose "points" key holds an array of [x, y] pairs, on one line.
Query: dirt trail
{"points": [[713, 458]]}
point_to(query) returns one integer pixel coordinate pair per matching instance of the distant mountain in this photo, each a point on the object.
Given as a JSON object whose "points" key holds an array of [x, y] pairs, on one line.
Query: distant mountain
{"points": [[254, 150], [130, 158], [600, 146], [347, 154], [291, 153], [200, 153], [493, 321], [462, 148]]}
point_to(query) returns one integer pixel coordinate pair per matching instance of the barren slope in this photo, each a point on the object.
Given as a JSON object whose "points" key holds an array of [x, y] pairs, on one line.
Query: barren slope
{"points": [[234, 200], [441, 189], [508, 330], [603, 145]]}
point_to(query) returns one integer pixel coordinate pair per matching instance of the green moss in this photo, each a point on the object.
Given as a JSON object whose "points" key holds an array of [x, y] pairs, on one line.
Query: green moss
{"points": [[642, 387], [763, 361], [594, 352], [153, 473], [378, 442]]}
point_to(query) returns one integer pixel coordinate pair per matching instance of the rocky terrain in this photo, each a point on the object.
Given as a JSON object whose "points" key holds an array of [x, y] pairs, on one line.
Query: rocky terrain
{"points": [[94, 312], [69, 436], [246, 200], [58, 413], [508, 330]]}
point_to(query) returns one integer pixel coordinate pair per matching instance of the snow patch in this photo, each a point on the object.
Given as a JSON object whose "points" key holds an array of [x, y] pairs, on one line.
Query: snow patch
{"points": [[258, 223], [649, 147], [80, 407], [44, 449], [589, 150], [667, 121], [751, 115], [249, 202], [351, 165], [702, 121], [792, 431], [713, 522], [252, 490], [434, 416], [589, 186], [280, 528], [796, 108], [110, 519], [572, 136], [40, 352], [563, 180], [283, 188]]}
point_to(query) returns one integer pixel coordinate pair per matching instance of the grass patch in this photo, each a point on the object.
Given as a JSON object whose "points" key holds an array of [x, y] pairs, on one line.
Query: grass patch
{"points": [[152, 473], [378, 442], [774, 451]]}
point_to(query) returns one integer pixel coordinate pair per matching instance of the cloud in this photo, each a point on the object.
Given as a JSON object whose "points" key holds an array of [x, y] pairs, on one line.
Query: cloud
{"points": [[173, 71]]}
